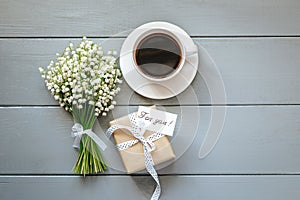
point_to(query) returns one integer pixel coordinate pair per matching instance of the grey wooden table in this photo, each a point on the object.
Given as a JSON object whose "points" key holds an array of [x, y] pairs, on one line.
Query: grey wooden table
{"points": [[256, 47]]}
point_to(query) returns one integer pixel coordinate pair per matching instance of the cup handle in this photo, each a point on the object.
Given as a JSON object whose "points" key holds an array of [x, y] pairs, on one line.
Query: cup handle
{"points": [[192, 50]]}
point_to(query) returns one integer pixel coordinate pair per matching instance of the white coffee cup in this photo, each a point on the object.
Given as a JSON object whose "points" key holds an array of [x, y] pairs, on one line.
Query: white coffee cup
{"points": [[171, 40]]}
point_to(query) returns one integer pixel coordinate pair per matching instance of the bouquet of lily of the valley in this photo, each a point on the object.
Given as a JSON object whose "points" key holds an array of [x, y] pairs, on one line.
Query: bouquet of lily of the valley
{"points": [[84, 81]]}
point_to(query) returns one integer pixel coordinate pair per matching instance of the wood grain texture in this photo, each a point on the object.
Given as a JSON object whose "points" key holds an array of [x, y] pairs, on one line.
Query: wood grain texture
{"points": [[255, 140], [254, 71], [141, 187], [106, 18]]}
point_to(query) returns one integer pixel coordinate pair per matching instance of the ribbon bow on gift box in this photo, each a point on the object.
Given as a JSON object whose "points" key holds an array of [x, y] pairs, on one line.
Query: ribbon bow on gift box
{"points": [[137, 130]]}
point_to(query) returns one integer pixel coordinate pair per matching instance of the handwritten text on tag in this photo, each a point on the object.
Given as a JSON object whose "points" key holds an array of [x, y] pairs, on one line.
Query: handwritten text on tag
{"points": [[156, 120]]}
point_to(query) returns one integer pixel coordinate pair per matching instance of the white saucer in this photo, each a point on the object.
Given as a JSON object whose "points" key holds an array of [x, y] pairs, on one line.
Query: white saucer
{"points": [[154, 89]]}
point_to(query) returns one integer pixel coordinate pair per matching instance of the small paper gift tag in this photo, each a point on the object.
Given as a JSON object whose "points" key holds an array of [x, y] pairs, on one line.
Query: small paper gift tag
{"points": [[156, 120]]}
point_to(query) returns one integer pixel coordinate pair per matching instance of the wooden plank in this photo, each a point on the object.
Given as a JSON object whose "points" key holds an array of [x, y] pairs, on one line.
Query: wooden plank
{"points": [[254, 71], [106, 18], [141, 187], [255, 140]]}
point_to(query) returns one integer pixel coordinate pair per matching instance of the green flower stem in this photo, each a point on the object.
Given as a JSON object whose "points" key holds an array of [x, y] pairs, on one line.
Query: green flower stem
{"points": [[89, 157]]}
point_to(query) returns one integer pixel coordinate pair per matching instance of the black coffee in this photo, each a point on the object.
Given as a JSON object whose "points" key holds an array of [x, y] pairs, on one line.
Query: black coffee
{"points": [[158, 55]]}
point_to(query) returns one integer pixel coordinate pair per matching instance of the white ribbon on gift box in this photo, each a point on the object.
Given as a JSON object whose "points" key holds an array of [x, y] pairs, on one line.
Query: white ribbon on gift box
{"points": [[77, 132], [148, 145]]}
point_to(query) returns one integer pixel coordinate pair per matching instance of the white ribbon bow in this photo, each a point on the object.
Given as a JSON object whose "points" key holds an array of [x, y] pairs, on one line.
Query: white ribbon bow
{"points": [[148, 145], [77, 132]]}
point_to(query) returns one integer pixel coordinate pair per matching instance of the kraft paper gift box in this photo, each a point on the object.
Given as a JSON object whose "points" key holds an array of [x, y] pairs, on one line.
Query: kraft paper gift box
{"points": [[133, 157]]}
